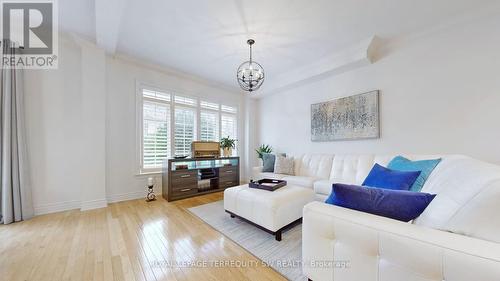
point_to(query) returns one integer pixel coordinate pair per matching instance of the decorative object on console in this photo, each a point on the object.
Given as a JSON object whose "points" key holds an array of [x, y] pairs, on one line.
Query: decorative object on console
{"points": [[181, 166], [348, 118], [426, 167], [250, 74], [283, 165], [263, 148], [400, 205], [382, 177], [227, 144], [151, 194], [205, 149], [180, 156]]}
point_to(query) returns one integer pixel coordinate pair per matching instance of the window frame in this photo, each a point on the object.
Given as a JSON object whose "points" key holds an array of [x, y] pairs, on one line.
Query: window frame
{"points": [[140, 86]]}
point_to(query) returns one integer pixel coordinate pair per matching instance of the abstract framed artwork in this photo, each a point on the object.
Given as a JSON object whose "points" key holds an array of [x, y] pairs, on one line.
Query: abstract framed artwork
{"points": [[348, 118]]}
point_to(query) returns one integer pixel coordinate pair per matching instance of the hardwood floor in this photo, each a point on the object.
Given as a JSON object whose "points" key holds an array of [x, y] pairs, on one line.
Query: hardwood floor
{"points": [[132, 240]]}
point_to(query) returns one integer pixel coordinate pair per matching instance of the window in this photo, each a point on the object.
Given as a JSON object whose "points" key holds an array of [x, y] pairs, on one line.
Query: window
{"points": [[170, 122], [228, 109], [185, 101], [228, 126], [209, 126], [184, 132], [155, 129]]}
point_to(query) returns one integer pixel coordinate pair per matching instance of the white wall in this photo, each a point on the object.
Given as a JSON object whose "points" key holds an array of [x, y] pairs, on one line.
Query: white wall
{"points": [[81, 126], [54, 120], [440, 93]]}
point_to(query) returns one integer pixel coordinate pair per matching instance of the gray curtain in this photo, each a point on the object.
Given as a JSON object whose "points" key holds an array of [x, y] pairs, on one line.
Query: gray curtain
{"points": [[15, 194]]}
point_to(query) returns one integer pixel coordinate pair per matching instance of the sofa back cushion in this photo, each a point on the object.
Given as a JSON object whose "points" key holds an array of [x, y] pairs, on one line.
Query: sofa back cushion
{"points": [[313, 165], [468, 192], [351, 169]]}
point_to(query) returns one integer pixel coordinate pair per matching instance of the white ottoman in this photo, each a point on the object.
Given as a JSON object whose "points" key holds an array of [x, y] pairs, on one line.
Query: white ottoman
{"points": [[272, 211]]}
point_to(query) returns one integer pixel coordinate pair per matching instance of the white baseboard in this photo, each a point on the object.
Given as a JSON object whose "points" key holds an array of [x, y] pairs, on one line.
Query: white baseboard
{"points": [[93, 204], [127, 196], [56, 207], [88, 205]]}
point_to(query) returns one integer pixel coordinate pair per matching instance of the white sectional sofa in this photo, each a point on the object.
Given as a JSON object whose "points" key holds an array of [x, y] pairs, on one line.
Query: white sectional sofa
{"points": [[457, 238]]}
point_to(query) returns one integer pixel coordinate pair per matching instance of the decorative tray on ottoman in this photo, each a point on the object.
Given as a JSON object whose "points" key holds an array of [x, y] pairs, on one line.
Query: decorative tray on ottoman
{"points": [[267, 184]]}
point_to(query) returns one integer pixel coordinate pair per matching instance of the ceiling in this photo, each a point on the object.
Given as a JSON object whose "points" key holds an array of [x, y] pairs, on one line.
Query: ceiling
{"points": [[208, 38]]}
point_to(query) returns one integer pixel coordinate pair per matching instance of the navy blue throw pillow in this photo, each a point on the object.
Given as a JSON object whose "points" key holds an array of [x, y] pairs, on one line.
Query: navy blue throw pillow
{"points": [[400, 205], [390, 179]]}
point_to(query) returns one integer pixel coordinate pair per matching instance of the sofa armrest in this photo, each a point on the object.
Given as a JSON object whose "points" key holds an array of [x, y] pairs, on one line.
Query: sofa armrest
{"points": [[342, 244], [256, 171]]}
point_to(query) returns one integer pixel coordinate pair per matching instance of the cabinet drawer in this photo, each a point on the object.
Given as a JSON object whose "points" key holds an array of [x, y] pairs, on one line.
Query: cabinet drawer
{"points": [[184, 175], [190, 190], [184, 185], [227, 171], [228, 177]]}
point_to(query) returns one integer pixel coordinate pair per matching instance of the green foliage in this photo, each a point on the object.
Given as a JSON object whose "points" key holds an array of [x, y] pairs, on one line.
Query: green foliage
{"points": [[227, 142], [264, 148]]}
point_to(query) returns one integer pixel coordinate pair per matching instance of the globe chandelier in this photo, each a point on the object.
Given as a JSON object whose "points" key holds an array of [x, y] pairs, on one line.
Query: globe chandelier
{"points": [[250, 74]]}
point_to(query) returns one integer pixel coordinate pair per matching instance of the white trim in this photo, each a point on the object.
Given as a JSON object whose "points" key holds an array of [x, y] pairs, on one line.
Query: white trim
{"points": [[127, 196], [149, 172], [56, 207], [138, 126], [353, 57], [94, 204]]}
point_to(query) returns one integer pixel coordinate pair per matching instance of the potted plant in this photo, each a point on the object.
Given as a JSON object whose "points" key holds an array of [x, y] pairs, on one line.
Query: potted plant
{"points": [[227, 144], [264, 148]]}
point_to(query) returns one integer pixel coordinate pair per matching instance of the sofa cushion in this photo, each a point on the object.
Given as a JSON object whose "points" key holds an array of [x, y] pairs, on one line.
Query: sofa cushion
{"points": [[351, 168], [314, 165], [466, 190], [401, 205], [426, 167], [390, 179], [323, 187], [260, 176], [300, 181]]}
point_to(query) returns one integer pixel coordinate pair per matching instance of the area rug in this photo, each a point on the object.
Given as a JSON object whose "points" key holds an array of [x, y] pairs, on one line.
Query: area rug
{"points": [[283, 256]]}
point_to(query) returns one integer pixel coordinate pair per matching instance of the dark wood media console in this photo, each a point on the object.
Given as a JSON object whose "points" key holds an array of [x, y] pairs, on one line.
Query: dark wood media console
{"points": [[183, 178]]}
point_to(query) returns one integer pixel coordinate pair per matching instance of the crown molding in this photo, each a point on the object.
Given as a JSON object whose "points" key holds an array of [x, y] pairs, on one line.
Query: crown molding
{"points": [[358, 55], [175, 72]]}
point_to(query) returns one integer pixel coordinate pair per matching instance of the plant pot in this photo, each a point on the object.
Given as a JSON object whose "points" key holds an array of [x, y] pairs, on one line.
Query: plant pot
{"points": [[227, 151]]}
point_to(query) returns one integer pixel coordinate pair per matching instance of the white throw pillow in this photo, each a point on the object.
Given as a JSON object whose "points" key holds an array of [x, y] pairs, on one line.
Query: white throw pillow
{"points": [[283, 165]]}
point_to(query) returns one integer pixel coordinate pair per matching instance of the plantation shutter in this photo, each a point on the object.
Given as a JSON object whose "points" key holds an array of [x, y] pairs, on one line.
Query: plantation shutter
{"points": [[156, 131], [228, 126], [209, 126], [184, 130]]}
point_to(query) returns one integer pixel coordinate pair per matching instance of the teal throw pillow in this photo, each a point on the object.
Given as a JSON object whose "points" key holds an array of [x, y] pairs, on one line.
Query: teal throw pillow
{"points": [[426, 167]]}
